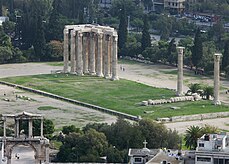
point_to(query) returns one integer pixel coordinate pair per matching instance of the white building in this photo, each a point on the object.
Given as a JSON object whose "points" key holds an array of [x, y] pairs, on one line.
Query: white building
{"points": [[212, 149]]}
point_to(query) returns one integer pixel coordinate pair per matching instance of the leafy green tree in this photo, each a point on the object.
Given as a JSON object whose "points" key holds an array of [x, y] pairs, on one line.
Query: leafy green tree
{"points": [[146, 41], [70, 129], [225, 60], [87, 147], [187, 43], [5, 54], [197, 50], [9, 27], [156, 134], [122, 31], [191, 136], [54, 50], [172, 52], [207, 61], [48, 128]]}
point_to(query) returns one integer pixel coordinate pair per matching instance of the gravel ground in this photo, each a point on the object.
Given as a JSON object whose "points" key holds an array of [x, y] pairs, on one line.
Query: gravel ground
{"points": [[67, 114]]}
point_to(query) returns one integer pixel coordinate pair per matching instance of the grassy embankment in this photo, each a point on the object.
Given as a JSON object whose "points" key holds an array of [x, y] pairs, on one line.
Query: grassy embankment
{"points": [[122, 95]]}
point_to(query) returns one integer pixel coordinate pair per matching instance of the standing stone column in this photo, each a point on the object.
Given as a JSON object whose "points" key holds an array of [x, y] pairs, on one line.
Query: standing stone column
{"points": [[216, 79], [107, 58], [92, 55], [73, 51], [4, 128], [79, 67], [180, 72], [85, 54], [30, 128], [66, 50], [42, 127], [114, 58], [17, 128], [100, 55]]}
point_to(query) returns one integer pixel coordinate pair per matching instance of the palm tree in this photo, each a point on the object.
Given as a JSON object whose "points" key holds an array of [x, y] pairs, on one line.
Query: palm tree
{"points": [[208, 91], [193, 88], [191, 136]]}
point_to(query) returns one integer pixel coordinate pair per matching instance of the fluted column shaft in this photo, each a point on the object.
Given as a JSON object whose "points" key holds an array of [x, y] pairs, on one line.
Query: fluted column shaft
{"points": [[42, 127], [30, 128], [100, 55], [85, 54], [107, 58], [73, 51], [180, 72], [114, 58], [216, 79], [66, 50], [79, 66], [92, 55]]}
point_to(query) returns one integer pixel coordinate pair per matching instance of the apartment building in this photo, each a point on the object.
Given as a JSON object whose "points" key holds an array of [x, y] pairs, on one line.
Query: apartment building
{"points": [[174, 6], [212, 149]]}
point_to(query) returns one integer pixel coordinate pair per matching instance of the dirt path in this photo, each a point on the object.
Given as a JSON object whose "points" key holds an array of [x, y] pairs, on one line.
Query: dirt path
{"points": [[153, 75], [64, 114]]}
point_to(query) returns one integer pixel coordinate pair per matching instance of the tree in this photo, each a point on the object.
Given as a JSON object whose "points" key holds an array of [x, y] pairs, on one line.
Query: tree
{"points": [[87, 147], [197, 50], [70, 129], [146, 41], [191, 136], [225, 60], [55, 25], [194, 88], [208, 129], [11, 6], [39, 42], [0, 7], [5, 54], [157, 134], [172, 52], [122, 31], [54, 50], [208, 91]]}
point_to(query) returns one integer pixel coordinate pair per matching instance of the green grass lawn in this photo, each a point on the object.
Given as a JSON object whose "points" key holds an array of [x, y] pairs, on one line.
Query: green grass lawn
{"points": [[122, 95]]}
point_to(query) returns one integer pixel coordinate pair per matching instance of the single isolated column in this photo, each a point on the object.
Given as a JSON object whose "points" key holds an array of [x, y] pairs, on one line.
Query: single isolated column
{"points": [[180, 71], [73, 51], [92, 55], [114, 58], [100, 55], [66, 50], [79, 67], [42, 125], [30, 128], [216, 100]]}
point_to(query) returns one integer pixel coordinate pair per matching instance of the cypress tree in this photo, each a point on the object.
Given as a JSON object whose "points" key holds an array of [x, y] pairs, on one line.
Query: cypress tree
{"points": [[0, 7], [122, 31], [197, 50], [146, 41], [55, 28], [39, 41], [11, 6], [225, 60]]}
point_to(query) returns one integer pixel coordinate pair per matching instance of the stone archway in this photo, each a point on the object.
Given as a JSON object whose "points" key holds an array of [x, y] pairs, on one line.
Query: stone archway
{"points": [[23, 153], [39, 144]]}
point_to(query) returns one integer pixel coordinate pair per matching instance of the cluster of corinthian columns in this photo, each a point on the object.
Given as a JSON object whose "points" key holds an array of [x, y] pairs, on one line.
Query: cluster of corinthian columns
{"points": [[92, 49]]}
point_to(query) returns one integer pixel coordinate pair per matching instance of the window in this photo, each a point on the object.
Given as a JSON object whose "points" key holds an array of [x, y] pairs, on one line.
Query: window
{"points": [[218, 161], [201, 144], [138, 160], [204, 159]]}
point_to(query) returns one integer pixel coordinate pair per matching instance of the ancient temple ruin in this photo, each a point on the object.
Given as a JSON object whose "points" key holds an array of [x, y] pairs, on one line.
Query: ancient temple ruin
{"points": [[91, 49], [39, 144]]}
